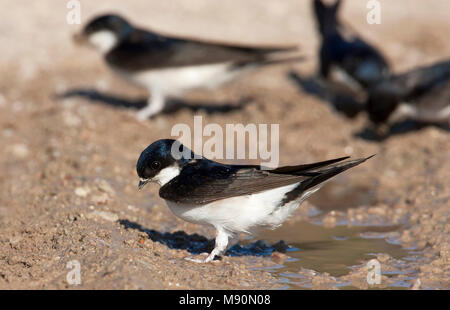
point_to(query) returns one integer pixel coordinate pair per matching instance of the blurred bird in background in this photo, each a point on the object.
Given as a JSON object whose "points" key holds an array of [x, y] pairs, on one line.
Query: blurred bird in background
{"points": [[346, 60], [351, 65], [169, 66], [421, 94]]}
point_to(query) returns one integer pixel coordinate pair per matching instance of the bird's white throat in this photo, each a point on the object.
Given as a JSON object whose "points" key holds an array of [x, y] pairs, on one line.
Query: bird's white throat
{"points": [[104, 40], [166, 174]]}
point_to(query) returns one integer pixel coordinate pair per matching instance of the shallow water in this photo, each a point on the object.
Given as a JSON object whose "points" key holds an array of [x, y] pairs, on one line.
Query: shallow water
{"points": [[331, 250]]}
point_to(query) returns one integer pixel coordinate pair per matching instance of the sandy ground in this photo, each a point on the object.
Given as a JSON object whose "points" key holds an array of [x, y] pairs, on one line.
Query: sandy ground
{"points": [[67, 166]]}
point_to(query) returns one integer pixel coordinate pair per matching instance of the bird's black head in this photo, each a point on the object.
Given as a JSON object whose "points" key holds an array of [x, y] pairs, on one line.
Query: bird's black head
{"points": [[104, 32], [161, 161], [109, 22], [326, 16]]}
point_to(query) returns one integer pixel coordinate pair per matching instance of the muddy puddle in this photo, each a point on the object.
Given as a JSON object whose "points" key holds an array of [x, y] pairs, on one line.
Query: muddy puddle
{"points": [[331, 250], [336, 250]]}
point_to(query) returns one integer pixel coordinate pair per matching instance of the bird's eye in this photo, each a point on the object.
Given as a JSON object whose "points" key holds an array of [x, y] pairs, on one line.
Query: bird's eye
{"points": [[155, 165]]}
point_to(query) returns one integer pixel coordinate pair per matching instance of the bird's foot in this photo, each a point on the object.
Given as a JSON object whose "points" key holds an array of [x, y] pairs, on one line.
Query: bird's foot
{"points": [[155, 105], [143, 115], [208, 259]]}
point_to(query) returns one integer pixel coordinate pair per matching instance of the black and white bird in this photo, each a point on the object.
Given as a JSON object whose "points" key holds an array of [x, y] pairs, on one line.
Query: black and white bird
{"points": [[231, 198], [421, 94], [345, 58], [169, 66]]}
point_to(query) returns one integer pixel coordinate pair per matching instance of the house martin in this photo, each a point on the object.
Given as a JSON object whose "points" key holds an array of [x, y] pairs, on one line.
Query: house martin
{"points": [[231, 198], [168, 66]]}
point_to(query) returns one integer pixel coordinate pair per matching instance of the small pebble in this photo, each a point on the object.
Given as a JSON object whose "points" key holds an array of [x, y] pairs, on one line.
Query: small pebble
{"points": [[81, 191]]}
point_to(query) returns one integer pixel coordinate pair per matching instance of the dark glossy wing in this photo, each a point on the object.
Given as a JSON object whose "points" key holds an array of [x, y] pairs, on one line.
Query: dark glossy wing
{"points": [[420, 81], [424, 86], [437, 98], [205, 181], [143, 50], [299, 169]]}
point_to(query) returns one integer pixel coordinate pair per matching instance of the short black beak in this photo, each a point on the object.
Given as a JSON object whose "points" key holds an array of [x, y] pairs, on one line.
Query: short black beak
{"points": [[142, 183]]}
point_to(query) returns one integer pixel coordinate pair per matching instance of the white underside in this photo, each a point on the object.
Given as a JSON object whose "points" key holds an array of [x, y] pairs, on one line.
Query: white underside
{"points": [[425, 114], [175, 81], [243, 213]]}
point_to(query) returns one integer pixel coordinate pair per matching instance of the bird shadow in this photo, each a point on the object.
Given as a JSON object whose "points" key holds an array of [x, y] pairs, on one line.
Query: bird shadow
{"points": [[369, 133], [172, 106], [343, 103], [197, 244]]}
